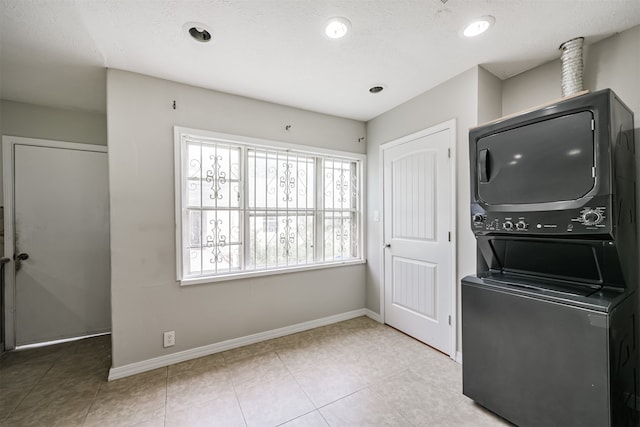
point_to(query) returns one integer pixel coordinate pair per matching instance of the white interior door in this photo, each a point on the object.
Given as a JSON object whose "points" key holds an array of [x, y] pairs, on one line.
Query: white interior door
{"points": [[419, 283], [60, 218]]}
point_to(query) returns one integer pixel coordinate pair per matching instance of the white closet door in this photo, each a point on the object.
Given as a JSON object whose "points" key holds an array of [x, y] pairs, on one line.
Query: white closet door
{"points": [[417, 215], [61, 210]]}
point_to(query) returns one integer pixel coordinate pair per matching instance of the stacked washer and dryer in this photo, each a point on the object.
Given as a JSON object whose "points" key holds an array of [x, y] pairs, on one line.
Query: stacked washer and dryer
{"points": [[550, 328]]}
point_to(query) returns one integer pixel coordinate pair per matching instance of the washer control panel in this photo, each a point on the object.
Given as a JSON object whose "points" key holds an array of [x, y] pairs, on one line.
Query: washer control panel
{"points": [[586, 220]]}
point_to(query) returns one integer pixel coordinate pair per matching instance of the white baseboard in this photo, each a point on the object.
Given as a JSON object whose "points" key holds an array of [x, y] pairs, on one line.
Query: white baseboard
{"points": [[194, 353], [458, 357], [373, 315]]}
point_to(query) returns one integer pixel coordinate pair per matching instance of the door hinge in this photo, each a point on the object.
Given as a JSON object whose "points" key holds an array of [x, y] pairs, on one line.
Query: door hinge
{"points": [[449, 236], [593, 124], [449, 320], [449, 152]]}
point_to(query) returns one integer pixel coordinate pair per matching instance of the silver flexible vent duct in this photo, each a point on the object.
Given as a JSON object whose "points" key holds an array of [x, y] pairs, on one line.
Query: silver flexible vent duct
{"points": [[571, 66]]}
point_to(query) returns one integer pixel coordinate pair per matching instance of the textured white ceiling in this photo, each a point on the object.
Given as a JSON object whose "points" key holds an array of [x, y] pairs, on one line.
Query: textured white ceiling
{"points": [[54, 52]]}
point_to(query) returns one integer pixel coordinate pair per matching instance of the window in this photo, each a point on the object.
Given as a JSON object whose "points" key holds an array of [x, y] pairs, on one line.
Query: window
{"points": [[245, 206]]}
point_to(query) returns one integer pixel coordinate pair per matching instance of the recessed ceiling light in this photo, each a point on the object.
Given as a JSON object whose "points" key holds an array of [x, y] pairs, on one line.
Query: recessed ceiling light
{"points": [[376, 89], [198, 31], [478, 26], [200, 34], [337, 27]]}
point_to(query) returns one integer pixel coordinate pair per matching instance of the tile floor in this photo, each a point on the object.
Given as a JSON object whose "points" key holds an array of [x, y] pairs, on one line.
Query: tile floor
{"points": [[355, 373]]}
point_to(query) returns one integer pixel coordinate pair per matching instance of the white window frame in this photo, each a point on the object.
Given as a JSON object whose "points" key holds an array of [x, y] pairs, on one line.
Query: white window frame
{"points": [[182, 133]]}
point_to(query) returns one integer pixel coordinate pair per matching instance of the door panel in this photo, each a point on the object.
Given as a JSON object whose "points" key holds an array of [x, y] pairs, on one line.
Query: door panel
{"points": [[61, 222], [413, 196], [417, 200], [414, 287]]}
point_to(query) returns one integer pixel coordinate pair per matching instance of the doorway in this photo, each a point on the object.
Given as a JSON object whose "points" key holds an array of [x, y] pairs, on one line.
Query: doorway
{"points": [[419, 235], [57, 238]]}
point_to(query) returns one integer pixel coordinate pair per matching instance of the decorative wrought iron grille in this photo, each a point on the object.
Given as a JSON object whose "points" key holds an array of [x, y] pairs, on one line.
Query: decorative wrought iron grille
{"points": [[341, 201], [213, 209], [281, 208], [248, 208]]}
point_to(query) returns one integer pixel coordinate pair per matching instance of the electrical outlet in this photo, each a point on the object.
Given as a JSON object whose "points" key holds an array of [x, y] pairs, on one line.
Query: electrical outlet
{"points": [[169, 338]]}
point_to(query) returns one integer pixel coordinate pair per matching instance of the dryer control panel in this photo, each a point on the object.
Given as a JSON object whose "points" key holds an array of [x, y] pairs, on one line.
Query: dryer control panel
{"points": [[587, 220]]}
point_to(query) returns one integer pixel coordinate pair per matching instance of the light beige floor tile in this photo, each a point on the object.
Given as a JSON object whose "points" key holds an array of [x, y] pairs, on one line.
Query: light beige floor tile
{"points": [[304, 358], [377, 366], [87, 360], [98, 344], [421, 401], [19, 375], [251, 350], [358, 371], [256, 368], [328, 383], [272, 401], [126, 418], [364, 408], [130, 400], [197, 387], [135, 382], [433, 400], [190, 366], [312, 419], [38, 354], [69, 390], [296, 339], [339, 340], [223, 411], [155, 422], [465, 412], [435, 363], [10, 398], [58, 412], [307, 357], [68, 375]]}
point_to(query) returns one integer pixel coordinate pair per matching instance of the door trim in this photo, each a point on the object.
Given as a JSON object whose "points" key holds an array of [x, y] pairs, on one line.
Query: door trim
{"points": [[8, 153], [451, 126]]}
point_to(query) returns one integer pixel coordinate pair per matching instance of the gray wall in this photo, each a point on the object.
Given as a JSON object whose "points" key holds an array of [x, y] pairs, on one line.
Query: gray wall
{"points": [[457, 98], [615, 63], [489, 96], [36, 121], [611, 63], [537, 86], [146, 299]]}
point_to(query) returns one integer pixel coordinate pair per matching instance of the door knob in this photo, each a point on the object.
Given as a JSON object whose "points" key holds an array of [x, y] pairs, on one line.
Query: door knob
{"points": [[388, 245], [23, 256]]}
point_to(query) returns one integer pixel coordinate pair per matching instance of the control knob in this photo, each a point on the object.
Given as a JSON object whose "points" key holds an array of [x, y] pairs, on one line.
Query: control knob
{"points": [[478, 218], [521, 225], [592, 217], [507, 225]]}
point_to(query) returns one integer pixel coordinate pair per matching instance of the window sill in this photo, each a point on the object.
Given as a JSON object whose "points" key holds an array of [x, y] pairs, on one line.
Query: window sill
{"points": [[262, 273]]}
